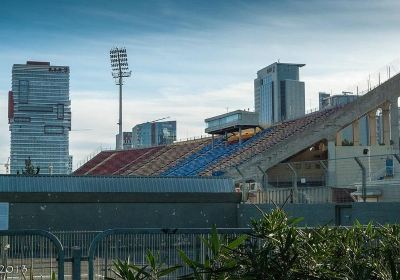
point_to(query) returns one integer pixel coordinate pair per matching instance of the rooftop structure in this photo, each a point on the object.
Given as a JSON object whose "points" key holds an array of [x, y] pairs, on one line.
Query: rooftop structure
{"points": [[231, 122]]}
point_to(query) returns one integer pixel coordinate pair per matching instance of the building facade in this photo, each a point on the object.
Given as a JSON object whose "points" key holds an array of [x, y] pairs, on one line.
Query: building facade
{"points": [[127, 141], [327, 101], [40, 117], [278, 93], [153, 134]]}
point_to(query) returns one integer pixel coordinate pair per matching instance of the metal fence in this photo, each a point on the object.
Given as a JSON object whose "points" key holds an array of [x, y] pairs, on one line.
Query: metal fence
{"points": [[40, 255], [32, 254], [133, 244]]}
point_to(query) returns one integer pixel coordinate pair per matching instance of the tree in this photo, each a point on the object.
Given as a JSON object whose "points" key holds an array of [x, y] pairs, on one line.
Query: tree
{"points": [[30, 170]]}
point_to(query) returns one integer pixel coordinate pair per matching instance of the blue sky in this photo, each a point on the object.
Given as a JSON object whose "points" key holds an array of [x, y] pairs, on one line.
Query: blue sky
{"points": [[190, 59]]}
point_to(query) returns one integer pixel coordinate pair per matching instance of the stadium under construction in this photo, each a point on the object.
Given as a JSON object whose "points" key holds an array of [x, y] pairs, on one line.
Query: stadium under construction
{"points": [[303, 158]]}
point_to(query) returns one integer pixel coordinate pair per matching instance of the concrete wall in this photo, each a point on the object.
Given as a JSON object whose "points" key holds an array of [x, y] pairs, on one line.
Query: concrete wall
{"points": [[331, 214], [57, 216], [347, 170], [313, 214], [102, 216]]}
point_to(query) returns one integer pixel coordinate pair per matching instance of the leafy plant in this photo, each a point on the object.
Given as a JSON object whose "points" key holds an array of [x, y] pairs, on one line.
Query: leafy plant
{"points": [[220, 262], [155, 269], [278, 249]]}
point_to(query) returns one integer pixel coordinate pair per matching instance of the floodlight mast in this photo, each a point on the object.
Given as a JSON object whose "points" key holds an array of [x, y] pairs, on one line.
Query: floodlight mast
{"points": [[120, 70]]}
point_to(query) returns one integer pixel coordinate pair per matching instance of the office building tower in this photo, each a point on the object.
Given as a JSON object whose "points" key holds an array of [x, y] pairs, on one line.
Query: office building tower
{"points": [[127, 141], [278, 93], [153, 134], [327, 101], [40, 117]]}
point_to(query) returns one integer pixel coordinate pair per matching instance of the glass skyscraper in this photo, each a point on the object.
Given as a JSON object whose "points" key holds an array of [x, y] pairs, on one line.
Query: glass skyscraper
{"points": [[153, 134], [40, 117]]}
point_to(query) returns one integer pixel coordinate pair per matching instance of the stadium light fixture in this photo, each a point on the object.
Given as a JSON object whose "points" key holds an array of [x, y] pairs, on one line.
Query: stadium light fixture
{"points": [[120, 70]]}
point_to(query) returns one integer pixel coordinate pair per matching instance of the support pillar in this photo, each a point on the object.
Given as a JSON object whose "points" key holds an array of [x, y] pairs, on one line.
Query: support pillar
{"points": [[76, 263], [212, 141], [240, 135], [294, 184], [372, 128], [264, 178], [364, 179], [331, 180], [226, 138], [394, 125], [339, 138], [386, 124], [356, 133]]}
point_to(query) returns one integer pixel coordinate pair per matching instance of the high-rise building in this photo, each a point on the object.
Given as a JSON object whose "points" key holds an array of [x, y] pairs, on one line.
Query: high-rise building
{"points": [[40, 117], [127, 141], [328, 101], [153, 134], [278, 93]]}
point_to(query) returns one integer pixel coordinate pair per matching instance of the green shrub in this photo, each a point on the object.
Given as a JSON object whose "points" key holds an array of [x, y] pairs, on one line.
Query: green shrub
{"points": [[277, 249]]}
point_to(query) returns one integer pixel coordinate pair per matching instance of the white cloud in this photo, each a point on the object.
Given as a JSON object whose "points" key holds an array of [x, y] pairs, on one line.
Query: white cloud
{"points": [[100, 115]]}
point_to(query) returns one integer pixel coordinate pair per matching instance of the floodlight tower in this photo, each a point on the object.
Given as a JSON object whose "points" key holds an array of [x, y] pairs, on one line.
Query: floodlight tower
{"points": [[120, 70]]}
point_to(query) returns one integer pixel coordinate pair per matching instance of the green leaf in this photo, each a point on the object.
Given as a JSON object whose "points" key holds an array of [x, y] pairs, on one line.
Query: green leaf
{"points": [[237, 242], [168, 270]]}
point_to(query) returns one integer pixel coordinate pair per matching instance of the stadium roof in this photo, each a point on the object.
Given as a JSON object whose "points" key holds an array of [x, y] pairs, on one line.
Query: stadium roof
{"points": [[115, 184]]}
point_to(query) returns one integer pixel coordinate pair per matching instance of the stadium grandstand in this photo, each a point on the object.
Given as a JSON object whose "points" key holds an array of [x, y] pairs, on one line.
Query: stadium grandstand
{"points": [[251, 154], [199, 157]]}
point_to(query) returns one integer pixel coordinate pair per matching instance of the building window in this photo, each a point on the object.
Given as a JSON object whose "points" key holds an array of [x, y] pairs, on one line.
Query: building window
{"points": [[22, 119], [33, 108], [60, 111], [23, 91], [48, 129], [283, 100]]}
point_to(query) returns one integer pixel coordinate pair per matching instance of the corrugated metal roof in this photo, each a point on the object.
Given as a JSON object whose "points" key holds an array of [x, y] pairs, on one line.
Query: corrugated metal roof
{"points": [[43, 183]]}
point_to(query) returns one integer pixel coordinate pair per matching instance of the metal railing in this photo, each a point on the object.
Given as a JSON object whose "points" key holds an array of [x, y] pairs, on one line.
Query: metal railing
{"points": [[33, 254], [40, 255], [134, 243]]}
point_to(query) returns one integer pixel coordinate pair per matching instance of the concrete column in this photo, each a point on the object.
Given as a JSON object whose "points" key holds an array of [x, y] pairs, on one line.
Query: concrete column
{"points": [[240, 135], [339, 138], [372, 127], [356, 133], [294, 184], [386, 124], [394, 124], [331, 181], [264, 178]]}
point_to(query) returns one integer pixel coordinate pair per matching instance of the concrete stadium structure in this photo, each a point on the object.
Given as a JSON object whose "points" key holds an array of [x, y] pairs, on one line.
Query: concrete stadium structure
{"points": [[256, 159]]}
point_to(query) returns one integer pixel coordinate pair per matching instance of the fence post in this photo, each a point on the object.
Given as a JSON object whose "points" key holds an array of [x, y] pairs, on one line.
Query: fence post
{"points": [[76, 262], [364, 179], [294, 184]]}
